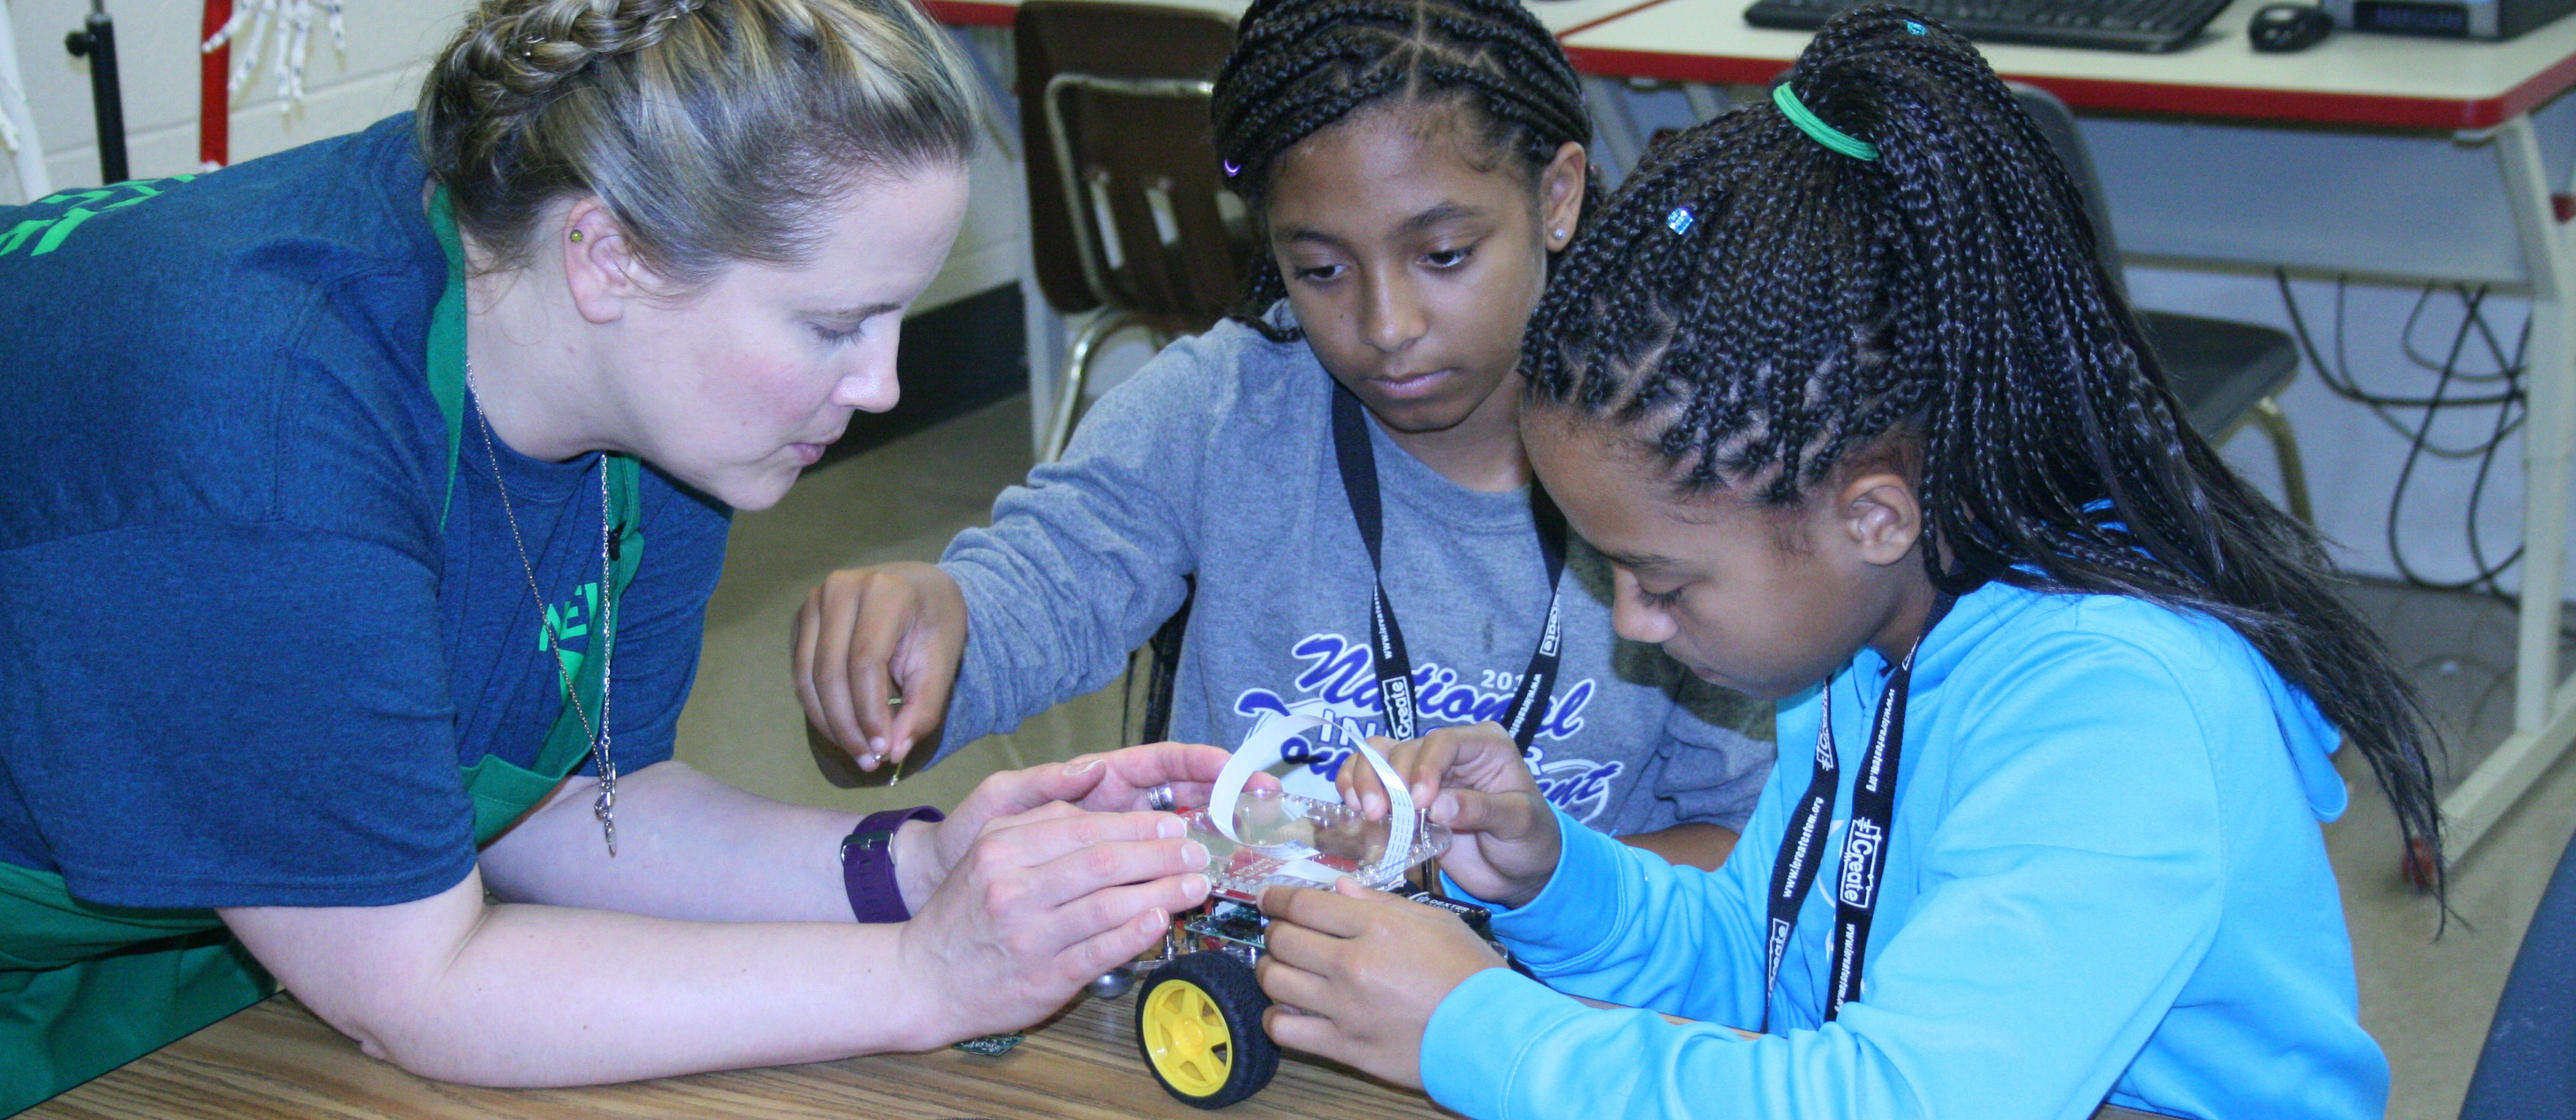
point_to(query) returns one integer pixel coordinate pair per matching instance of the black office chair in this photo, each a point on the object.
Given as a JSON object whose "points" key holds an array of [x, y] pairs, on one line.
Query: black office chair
{"points": [[2227, 374], [2528, 1069]]}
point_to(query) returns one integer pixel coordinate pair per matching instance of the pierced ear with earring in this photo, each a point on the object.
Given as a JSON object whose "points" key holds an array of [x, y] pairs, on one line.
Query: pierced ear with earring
{"points": [[576, 236]]}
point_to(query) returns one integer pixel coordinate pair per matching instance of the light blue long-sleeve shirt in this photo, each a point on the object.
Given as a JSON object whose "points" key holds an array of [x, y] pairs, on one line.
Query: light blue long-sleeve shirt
{"points": [[2106, 880]]}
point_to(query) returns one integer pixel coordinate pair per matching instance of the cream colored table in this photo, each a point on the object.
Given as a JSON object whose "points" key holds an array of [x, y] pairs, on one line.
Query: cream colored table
{"points": [[275, 1061], [2481, 92]]}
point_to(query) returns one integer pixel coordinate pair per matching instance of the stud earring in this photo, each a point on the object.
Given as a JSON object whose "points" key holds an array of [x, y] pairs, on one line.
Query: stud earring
{"points": [[1560, 235], [576, 236]]}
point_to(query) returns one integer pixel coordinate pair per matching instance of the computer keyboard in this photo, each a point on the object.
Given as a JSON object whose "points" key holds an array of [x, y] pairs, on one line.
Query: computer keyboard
{"points": [[2120, 25]]}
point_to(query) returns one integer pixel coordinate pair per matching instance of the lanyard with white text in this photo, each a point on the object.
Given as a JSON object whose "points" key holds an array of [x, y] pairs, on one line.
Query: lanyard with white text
{"points": [[1864, 855], [1358, 462]]}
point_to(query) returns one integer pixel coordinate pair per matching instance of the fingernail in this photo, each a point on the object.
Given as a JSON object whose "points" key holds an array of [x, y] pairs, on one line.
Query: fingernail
{"points": [[877, 746], [1171, 828], [1196, 886], [1083, 764], [1194, 854], [1155, 919]]}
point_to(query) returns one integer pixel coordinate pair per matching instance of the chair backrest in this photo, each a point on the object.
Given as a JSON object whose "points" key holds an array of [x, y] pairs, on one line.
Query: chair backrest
{"points": [[1127, 205], [2057, 122]]}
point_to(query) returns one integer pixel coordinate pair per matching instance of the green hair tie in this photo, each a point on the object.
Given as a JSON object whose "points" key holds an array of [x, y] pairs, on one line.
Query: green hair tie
{"points": [[1815, 126]]}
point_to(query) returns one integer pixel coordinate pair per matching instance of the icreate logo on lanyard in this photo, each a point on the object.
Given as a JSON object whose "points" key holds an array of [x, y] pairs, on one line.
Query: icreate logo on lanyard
{"points": [[1864, 852], [1862, 842]]}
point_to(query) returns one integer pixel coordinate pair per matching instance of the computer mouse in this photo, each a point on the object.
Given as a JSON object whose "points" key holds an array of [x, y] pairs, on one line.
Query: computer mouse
{"points": [[2282, 28]]}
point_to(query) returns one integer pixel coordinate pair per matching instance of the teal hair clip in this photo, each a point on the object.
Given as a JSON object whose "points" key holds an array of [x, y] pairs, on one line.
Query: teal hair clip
{"points": [[1815, 126]]}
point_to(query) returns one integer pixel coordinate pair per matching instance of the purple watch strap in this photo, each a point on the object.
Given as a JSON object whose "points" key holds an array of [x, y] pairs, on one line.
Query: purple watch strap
{"points": [[867, 864]]}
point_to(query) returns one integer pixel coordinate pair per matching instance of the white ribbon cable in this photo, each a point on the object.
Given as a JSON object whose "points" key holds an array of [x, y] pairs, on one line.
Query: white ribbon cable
{"points": [[1264, 749]]}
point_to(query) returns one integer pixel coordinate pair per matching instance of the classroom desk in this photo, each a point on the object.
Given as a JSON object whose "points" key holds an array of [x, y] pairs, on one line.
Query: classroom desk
{"points": [[276, 1060], [2480, 92]]}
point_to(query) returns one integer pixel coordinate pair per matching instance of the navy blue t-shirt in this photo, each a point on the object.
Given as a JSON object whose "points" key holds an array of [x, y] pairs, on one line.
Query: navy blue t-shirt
{"points": [[240, 660]]}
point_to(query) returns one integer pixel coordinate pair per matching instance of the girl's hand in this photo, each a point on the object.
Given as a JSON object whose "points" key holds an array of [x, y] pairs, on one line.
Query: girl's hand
{"points": [[1116, 782], [1472, 780], [869, 635], [1356, 974], [1041, 903]]}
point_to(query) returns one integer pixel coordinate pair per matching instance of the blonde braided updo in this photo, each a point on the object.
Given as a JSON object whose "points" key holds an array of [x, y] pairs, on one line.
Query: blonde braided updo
{"points": [[712, 130]]}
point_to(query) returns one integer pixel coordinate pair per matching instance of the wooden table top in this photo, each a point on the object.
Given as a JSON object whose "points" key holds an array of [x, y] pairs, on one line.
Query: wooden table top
{"points": [[276, 1060]]}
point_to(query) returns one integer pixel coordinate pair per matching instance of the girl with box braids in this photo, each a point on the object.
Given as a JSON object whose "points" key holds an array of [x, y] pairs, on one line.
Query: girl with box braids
{"points": [[1301, 65], [1762, 308]]}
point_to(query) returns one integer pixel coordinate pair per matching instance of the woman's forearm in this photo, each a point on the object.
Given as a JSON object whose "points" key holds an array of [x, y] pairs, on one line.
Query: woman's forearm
{"points": [[688, 846], [512, 995], [1019, 899]]}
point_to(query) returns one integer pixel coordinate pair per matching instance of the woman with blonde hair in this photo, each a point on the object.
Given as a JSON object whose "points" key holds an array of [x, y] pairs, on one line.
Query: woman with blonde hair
{"points": [[358, 512]]}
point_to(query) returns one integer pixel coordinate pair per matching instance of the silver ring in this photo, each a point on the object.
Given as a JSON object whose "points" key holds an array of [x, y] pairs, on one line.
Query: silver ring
{"points": [[1160, 799]]}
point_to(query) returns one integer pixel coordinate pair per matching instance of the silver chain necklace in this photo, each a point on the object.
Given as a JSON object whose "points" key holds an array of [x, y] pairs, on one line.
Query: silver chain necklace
{"points": [[604, 623]]}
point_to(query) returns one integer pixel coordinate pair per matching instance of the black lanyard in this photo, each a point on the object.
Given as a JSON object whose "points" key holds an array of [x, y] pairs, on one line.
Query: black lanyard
{"points": [[1793, 873], [1358, 462]]}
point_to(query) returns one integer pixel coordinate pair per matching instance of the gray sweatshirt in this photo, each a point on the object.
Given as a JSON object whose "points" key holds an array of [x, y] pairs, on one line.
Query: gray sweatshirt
{"points": [[1216, 460]]}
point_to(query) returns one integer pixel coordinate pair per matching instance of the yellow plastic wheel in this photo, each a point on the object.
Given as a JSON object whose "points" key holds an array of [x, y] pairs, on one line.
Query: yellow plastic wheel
{"points": [[1186, 1039], [1198, 1022]]}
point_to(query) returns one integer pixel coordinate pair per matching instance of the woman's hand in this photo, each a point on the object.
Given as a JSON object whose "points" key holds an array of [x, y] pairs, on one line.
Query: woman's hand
{"points": [[1116, 782], [1357, 973], [869, 635], [1472, 780], [1041, 903]]}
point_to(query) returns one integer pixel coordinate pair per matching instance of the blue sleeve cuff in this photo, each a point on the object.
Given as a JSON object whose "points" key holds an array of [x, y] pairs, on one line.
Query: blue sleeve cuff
{"points": [[1476, 1036], [1566, 920]]}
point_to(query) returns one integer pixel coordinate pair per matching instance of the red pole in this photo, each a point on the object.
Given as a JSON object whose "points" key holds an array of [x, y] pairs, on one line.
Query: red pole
{"points": [[214, 102]]}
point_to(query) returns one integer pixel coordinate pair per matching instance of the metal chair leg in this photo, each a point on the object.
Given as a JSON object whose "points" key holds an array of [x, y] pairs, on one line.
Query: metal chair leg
{"points": [[1077, 369], [2285, 448]]}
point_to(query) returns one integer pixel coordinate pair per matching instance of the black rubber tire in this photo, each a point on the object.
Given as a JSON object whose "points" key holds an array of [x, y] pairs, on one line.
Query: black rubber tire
{"points": [[1230, 984]]}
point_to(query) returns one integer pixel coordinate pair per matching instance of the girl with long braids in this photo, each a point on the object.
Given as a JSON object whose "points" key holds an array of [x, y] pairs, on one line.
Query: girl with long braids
{"points": [[1841, 390], [1342, 453], [359, 507]]}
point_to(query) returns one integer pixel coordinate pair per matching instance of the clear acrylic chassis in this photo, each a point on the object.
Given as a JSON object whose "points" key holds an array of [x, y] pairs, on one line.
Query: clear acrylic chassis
{"points": [[1284, 839]]}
